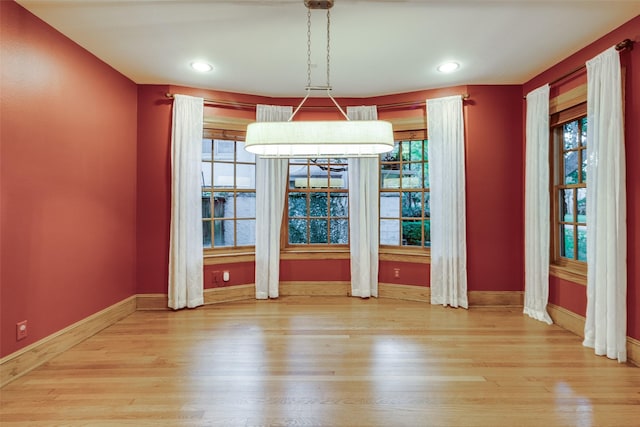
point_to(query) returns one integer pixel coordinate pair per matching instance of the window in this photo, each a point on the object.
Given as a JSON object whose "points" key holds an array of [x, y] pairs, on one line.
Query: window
{"points": [[228, 194], [404, 195], [570, 189], [318, 202]]}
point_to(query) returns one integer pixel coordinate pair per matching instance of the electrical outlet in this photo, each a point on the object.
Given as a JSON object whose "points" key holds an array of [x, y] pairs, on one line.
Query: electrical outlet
{"points": [[396, 273], [21, 330], [225, 276]]}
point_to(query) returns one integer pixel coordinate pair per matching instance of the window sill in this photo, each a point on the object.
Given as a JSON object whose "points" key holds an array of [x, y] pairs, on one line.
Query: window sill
{"points": [[414, 255], [315, 253], [571, 273], [228, 257]]}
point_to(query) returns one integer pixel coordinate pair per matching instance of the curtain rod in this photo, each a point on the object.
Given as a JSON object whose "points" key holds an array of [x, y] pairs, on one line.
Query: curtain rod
{"points": [[624, 44], [250, 106]]}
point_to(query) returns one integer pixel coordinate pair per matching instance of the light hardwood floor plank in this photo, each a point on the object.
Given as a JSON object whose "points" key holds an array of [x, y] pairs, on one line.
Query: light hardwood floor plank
{"points": [[327, 361]]}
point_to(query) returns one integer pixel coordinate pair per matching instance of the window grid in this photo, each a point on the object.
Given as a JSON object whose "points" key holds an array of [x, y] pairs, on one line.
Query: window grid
{"points": [[317, 203], [404, 195], [228, 194], [570, 191]]}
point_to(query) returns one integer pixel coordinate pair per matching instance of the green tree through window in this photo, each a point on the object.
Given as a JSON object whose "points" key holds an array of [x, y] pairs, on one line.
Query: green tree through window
{"points": [[318, 202], [571, 189], [404, 195]]}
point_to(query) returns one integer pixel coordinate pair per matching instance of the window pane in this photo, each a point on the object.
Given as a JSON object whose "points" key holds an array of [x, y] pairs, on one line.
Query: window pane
{"points": [[566, 241], [297, 231], [245, 176], [584, 165], [393, 155], [206, 204], [389, 232], [427, 204], [206, 149], [298, 172], [571, 167], [246, 233], [297, 205], [223, 205], [566, 205], [245, 205], [411, 204], [406, 150], [338, 177], [223, 175], [570, 135], [339, 204], [389, 204], [340, 231], [582, 204], [427, 233], [415, 151], [390, 176], [319, 174], [583, 134], [411, 175], [318, 204], [205, 174], [243, 155], [206, 234], [582, 243], [426, 175], [223, 233], [223, 150], [411, 233], [319, 231]]}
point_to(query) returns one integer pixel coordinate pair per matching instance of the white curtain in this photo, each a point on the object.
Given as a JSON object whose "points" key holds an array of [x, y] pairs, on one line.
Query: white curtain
{"points": [[536, 202], [606, 320], [445, 127], [363, 215], [271, 187], [185, 244]]}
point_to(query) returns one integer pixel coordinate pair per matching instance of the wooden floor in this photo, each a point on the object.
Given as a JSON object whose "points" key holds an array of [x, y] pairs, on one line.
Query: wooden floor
{"points": [[327, 361]]}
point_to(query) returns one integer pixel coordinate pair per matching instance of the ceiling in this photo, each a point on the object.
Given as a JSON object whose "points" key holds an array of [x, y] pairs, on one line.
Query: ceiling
{"points": [[378, 47]]}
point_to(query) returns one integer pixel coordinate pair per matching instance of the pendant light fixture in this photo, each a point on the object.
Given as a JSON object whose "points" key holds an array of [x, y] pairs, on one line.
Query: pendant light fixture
{"points": [[323, 139]]}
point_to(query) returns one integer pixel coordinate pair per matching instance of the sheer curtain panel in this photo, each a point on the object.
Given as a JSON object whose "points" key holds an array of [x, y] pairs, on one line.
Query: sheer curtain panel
{"points": [[271, 188], [363, 215], [606, 319], [185, 242], [536, 212], [445, 127]]}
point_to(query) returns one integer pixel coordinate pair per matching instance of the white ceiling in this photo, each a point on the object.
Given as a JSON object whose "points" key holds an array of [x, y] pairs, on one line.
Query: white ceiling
{"points": [[378, 46]]}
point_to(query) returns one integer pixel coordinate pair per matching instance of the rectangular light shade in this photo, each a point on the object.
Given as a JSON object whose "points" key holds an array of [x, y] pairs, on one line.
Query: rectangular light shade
{"points": [[323, 139]]}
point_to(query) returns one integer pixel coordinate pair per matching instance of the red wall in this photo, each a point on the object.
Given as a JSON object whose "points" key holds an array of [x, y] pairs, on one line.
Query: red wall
{"points": [[566, 294], [68, 191], [154, 188], [240, 273], [494, 193], [494, 173]]}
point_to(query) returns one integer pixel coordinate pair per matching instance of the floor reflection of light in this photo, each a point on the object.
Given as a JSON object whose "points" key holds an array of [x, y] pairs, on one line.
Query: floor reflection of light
{"points": [[227, 379], [390, 364], [577, 407]]}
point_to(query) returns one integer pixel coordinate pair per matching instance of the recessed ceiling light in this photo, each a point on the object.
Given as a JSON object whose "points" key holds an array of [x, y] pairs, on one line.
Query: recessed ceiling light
{"points": [[203, 67], [448, 67]]}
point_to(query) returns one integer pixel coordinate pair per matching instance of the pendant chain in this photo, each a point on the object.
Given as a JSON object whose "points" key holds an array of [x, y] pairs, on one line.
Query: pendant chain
{"points": [[309, 47], [328, 47]]}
